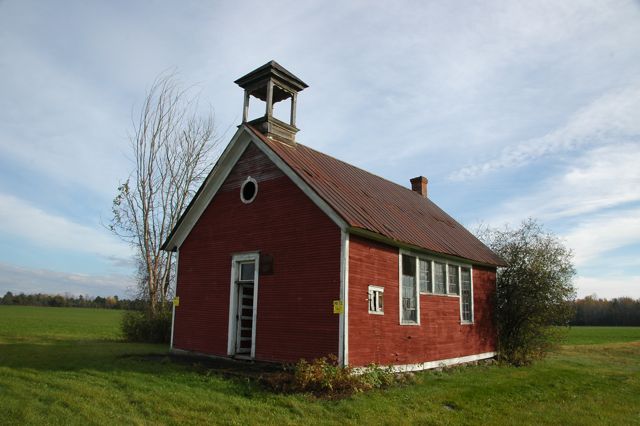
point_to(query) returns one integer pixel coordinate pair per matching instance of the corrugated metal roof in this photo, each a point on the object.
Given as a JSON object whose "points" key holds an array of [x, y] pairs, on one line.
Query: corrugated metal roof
{"points": [[374, 204]]}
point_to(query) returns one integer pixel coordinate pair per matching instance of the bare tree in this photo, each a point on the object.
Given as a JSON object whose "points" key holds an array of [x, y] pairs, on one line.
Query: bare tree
{"points": [[172, 148]]}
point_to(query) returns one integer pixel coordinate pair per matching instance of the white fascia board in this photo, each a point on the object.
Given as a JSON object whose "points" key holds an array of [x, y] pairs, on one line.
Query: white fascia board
{"points": [[300, 183], [212, 184]]}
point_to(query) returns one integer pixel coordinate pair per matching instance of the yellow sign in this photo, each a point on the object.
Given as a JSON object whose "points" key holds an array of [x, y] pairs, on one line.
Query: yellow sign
{"points": [[176, 301], [338, 307]]}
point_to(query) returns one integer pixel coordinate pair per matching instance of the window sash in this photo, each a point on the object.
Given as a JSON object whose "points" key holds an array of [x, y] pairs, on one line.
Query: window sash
{"points": [[376, 300], [440, 283], [246, 271], [466, 296], [454, 279], [426, 284], [409, 302]]}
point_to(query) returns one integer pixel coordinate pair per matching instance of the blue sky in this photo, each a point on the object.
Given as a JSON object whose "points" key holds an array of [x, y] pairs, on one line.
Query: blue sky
{"points": [[511, 109]]}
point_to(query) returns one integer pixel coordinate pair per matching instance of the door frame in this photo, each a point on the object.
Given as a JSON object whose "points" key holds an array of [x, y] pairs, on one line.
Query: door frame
{"points": [[236, 259]]}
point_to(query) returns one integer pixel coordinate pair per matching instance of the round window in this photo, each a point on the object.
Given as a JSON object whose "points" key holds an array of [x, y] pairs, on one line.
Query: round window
{"points": [[249, 190]]}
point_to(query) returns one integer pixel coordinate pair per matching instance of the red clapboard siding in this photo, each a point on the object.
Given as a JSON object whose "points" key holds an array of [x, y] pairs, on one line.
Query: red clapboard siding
{"points": [[382, 340], [294, 313], [254, 163]]}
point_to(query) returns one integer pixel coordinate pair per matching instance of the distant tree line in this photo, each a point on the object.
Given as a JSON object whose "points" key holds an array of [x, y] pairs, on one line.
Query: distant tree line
{"points": [[57, 300], [621, 311], [618, 311]]}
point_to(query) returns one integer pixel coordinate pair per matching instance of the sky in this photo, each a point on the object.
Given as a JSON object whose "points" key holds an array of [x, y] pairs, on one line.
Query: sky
{"points": [[511, 109]]}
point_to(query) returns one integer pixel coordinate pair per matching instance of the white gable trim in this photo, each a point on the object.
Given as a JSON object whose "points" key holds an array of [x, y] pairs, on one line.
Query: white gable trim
{"points": [[225, 164]]}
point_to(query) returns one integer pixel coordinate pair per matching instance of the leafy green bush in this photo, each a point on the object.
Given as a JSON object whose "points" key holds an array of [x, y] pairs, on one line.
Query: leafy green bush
{"points": [[381, 377], [146, 328], [534, 294]]}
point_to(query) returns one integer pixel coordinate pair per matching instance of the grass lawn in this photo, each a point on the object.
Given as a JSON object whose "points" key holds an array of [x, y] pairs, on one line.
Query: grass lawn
{"points": [[68, 366], [602, 335]]}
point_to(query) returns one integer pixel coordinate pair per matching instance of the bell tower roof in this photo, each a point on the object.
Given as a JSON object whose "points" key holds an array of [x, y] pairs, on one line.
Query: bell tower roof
{"points": [[272, 70]]}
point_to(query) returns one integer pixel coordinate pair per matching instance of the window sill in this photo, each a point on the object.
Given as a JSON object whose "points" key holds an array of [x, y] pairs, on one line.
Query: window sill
{"points": [[409, 323], [440, 295], [466, 323], [376, 313]]}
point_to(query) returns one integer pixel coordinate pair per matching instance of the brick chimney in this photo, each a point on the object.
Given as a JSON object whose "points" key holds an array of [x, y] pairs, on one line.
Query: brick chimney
{"points": [[419, 185]]}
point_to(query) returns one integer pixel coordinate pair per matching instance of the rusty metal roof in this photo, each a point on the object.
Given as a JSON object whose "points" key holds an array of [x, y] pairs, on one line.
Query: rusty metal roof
{"points": [[368, 202]]}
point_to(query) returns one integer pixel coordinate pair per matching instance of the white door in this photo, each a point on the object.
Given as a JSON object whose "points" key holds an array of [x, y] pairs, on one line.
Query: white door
{"points": [[242, 330]]}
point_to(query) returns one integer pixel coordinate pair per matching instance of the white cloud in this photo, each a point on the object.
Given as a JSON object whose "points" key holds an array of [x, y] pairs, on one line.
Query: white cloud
{"points": [[609, 287], [19, 218], [434, 87], [428, 73], [596, 236], [71, 130], [596, 200], [72, 73], [601, 178], [25, 280], [612, 118]]}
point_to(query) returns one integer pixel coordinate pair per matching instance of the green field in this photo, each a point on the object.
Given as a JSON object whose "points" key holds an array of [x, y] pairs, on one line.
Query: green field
{"points": [[68, 366], [602, 335]]}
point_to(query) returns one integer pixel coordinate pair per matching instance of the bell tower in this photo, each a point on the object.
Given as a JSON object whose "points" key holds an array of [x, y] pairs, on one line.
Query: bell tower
{"points": [[272, 83]]}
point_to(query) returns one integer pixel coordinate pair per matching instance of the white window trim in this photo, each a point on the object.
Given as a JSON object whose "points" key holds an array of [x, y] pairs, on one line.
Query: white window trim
{"points": [[446, 263], [402, 252], [255, 194], [375, 288], [236, 259]]}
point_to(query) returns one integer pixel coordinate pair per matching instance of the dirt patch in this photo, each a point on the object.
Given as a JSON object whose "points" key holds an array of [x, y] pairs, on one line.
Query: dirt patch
{"points": [[225, 367]]}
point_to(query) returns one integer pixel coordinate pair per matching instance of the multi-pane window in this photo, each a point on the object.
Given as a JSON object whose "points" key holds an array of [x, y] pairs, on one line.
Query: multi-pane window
{"points": [[466, 299], [376, 300], [453, 279], [439, 278], [426, 286], [433, 277], [409, 302]]}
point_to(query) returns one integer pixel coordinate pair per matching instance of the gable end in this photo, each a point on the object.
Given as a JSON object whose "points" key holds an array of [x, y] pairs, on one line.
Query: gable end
{"points": [[218, 176]]}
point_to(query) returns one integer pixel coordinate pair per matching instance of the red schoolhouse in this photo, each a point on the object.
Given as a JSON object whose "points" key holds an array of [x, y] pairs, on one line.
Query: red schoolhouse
{"points": [[287, 253]]}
